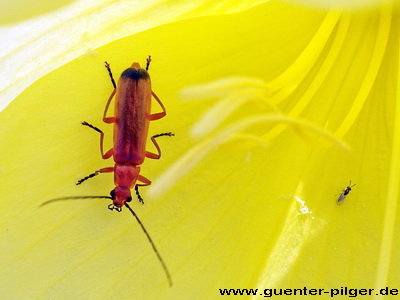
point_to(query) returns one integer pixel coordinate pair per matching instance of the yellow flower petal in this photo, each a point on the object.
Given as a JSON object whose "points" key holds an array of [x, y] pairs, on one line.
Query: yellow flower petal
{"points": [[344, 4], [38, 45]]}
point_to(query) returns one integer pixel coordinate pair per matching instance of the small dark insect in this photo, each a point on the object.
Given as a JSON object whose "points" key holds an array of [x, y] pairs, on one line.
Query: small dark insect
{"points": [[344, 193]]}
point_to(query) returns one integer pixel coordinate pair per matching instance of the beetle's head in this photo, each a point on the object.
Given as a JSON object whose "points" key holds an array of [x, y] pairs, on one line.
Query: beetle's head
{"points": [[120, 195]]}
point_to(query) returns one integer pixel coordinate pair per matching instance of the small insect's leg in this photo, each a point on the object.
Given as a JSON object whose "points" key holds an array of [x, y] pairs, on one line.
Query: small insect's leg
{"points": [[153, 139], [160, 115], [148, 60], [110, 73], [146, 182], [110, 152], [103, 170]]}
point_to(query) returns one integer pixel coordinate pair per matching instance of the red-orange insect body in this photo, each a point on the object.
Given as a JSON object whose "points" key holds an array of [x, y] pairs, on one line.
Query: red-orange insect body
{"points": [[132, 115], [131, 126]]}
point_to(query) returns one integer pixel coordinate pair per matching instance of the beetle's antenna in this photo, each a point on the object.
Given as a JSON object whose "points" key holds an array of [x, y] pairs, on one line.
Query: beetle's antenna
{"points": [[73, 198], [153, 245]]}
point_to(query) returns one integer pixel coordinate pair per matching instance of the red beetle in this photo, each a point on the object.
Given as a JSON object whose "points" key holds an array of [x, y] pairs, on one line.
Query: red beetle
{"points": [[131, 125]]}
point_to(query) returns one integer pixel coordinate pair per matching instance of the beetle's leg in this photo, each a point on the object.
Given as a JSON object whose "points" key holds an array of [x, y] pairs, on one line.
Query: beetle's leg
{"points": [[153, 139], [143, 179], [111, 75], [138, 194], [103, 170], [146, 182], [110, 152], [160, 115], [109, 119], [148, 60]]}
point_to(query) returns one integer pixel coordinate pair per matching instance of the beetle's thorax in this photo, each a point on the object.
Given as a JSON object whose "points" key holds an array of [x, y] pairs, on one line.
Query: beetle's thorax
{"points": [[125, 175]]}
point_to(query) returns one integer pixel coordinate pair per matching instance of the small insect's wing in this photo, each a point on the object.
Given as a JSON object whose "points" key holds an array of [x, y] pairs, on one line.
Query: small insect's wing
{"points": [[340, 200]]}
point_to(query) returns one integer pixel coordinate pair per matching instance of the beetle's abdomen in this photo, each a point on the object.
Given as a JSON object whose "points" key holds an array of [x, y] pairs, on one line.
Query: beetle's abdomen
{"points": [[132, 110]]}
